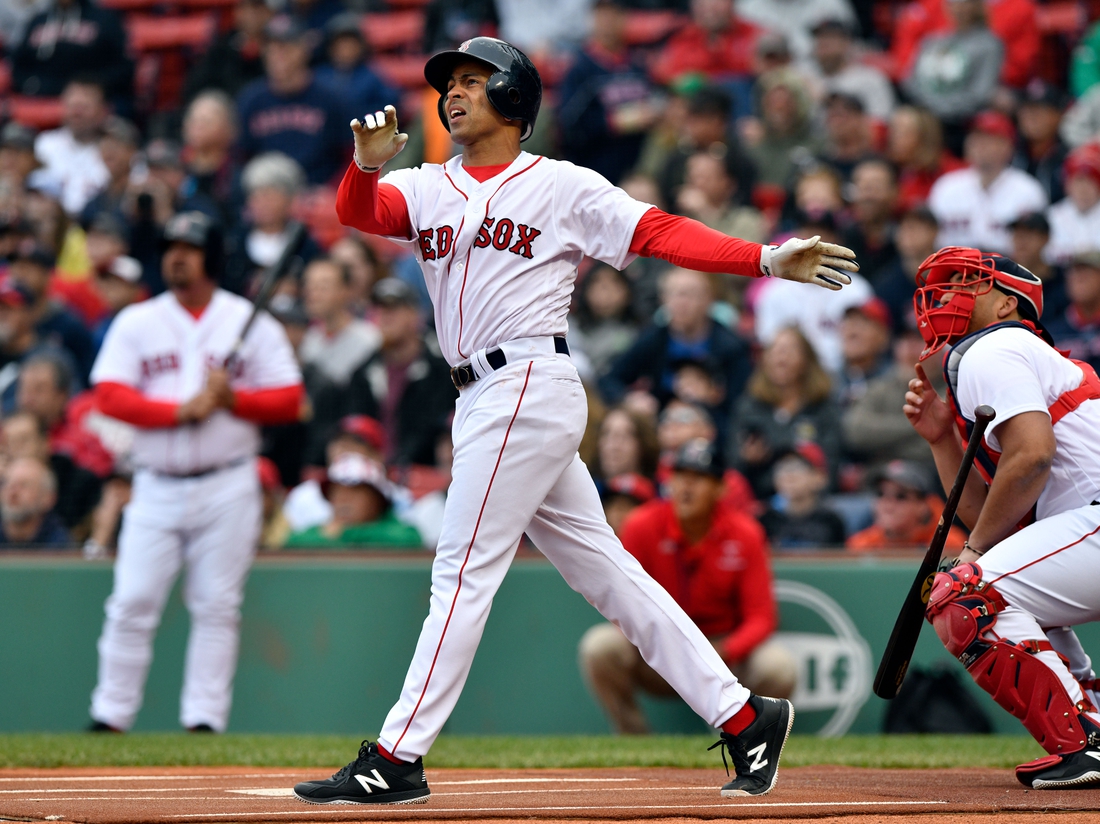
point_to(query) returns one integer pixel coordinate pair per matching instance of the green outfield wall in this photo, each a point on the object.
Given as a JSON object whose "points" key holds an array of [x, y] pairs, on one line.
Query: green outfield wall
{"points": [[325, 642]]}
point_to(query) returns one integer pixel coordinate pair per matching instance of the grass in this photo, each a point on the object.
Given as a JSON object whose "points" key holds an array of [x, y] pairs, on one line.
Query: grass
{"points": [[325, 751]]}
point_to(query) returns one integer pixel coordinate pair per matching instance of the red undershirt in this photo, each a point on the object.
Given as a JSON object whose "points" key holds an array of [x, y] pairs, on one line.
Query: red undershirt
{"points": [[380, 209]]}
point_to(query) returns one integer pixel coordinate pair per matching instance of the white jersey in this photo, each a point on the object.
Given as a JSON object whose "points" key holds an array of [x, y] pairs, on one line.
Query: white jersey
{"points": [[1014, 371], [971, 215], [500, 257], [160, 349], [76, 169], [1071, 231]]}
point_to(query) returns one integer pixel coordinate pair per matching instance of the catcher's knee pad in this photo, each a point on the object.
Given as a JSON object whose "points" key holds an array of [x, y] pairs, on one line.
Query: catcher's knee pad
{"points": [[961, 607]]}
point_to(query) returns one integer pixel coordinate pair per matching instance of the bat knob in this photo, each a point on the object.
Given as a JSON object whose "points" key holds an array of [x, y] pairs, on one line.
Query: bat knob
{"points": [[984, 413]]}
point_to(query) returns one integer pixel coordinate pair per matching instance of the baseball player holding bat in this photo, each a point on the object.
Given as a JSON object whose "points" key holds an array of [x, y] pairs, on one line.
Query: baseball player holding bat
{"points": [[1006, 606], [498, 233], [196, 499]]}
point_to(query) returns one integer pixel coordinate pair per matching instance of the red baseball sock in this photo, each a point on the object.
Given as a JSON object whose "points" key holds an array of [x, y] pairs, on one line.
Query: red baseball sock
{"points": [[389, 756], [739, 721]]}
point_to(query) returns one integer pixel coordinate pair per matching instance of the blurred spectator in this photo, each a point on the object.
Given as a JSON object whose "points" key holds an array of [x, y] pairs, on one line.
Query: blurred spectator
{"points": [[865, 344], [1081, 122], [915, 147], [874, 199], [1077, 328], [337, 343], [627, 445], [787, 402], [688, 334], [365, 266], [705, 127], [314, 14], [955, 73], [270, 183], [213, 176], [70, 155], [1075, 220], [118, 148], [17, 161], [537, 26], [1030, 237], [449, 22], [796, 518], [713, 560], [605, 101], [67, 38], [290, 110], [235, 58], [406, 384], [44, 390], [782, 136], [602, 325], [27, 497], [975, 205], [78, 490], [915, 239], [18, 338], [276, 529], [362, 511], [837, 68], [716, 43], [1041, 152], [712, 195], [907, 510], [118, 286], [621, 495], [346, 69], [799, 20], [875, 428], [849, 139], [54, 324], [14, 16]]}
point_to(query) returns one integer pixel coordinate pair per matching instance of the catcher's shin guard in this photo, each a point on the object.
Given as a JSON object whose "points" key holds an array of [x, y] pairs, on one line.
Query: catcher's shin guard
{"points": [[963, 609]]}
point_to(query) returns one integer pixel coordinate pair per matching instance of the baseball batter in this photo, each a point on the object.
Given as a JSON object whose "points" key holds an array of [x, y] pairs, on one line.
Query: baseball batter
{"points": [[498, 233], [1006, 605], [196, 495]]}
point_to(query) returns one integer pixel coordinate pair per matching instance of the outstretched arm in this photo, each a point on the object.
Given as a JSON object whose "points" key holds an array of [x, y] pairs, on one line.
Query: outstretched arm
{"points": [[362, 202]]}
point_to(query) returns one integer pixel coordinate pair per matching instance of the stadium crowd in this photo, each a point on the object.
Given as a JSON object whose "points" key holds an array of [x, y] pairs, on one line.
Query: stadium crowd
{"points": [[892, 128]]}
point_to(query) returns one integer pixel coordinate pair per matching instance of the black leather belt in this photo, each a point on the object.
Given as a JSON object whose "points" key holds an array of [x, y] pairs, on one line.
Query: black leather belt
{"points": [[202, 473], [464, 375]]}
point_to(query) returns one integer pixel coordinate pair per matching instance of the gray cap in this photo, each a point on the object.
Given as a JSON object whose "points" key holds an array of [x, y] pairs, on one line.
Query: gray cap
{"points": [[699, 455], [122, 130], [17, 136], [907, 474], [393, 292]]}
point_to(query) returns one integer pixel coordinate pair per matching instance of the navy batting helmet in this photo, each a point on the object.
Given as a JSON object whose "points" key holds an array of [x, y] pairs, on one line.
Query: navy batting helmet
{"points": [[514, 89], [198, 229]]}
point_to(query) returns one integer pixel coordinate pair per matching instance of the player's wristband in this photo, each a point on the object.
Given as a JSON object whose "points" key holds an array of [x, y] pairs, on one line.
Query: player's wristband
{"points": [[766, 259], [967, 546], [368, 169]]}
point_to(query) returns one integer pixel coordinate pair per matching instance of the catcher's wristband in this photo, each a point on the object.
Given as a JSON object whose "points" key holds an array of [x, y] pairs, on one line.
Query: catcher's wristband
{"points": [[368, 169], [766, 259]]}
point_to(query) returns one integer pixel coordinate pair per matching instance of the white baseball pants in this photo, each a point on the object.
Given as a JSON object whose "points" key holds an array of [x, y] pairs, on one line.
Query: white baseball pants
{"points": [[516, 470], [209, 524]]}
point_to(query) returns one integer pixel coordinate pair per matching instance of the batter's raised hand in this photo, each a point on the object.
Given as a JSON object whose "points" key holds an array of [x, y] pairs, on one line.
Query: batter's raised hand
{"points": [[377, 139], [926, 410], [810, 260]]}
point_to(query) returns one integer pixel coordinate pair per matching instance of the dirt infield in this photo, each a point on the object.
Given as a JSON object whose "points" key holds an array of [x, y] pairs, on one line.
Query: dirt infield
{"points": [[821, 794]]}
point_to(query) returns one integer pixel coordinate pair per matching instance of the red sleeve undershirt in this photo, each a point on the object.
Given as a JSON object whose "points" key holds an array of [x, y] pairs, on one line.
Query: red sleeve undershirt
{"points": [[380, 209], [261, 406]]}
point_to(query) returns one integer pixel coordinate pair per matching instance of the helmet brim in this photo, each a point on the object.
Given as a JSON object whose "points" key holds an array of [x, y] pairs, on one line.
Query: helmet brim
{"points": [[440, 67]]}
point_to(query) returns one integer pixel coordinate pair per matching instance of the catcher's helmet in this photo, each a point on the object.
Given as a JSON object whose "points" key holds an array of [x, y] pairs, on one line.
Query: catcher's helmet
{"points": [[943, 303], [197, 229], [514, 89]]}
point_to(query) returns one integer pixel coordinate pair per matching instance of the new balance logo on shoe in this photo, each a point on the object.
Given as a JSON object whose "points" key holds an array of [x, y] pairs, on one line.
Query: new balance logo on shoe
{"points": [[1092, 754], [758, 763], [378, 781]]}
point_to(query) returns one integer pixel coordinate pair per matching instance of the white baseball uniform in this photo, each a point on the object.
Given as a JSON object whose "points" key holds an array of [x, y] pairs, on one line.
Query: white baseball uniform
{"points": [[499, 258], [196, 500], [971, 215], [1048, 571], [1071, 231]]}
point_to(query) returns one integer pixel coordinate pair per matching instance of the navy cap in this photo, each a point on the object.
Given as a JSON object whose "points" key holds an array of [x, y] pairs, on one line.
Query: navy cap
{"points": [[699, 455]]}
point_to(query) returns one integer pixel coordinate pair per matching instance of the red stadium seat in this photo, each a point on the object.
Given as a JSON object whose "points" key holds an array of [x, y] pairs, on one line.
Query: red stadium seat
{"points": [[155, 33], [407, 4], [131, 5], [165, 46], [394, 31], [403, 70], [644, 28], [36, 112], [5, 76], [1061, 18]]}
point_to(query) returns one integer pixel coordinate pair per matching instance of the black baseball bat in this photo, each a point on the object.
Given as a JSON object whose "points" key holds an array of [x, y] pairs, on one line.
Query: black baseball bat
{"points": [[287, 263], [903, 640]]}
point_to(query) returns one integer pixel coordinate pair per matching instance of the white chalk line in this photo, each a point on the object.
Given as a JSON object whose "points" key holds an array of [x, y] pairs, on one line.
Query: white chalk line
{"points": [[59, 778]]}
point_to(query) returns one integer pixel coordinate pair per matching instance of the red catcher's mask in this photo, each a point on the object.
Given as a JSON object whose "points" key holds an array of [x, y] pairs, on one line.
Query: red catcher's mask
{"points": [[943, 303]]}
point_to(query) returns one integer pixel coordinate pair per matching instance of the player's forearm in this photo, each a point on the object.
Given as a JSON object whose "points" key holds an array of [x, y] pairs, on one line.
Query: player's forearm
{"points": [[948, 453], [688, 243], [125, 403], [268, 406], [377, 209], [1016, 487]]}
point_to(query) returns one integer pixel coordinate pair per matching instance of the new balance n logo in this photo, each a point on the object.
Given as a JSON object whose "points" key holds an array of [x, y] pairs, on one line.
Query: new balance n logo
{"points": [[758, 761], [367, 782]]}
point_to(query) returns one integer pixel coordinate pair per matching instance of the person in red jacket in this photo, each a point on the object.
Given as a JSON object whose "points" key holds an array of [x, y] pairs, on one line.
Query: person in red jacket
{"points": [[713, 560]]}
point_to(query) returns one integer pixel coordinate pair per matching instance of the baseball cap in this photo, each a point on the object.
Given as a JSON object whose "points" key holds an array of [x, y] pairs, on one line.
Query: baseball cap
{"points": [[285, 309], [810, 454], [345, 24], [1032, 221], [283, 28], [849, 101], [1039, 92], [34, 253], [17, 136], [164, 154], [14, 293], [122, 130], [366, 429], [1085, 159], [904, 473], [125, 268], [831, 25], [630, 484], [393, 292], [994, 123], [108, 223], [699, 455], [187, 227], [1086, 257], [352, 469], [875, 309]]}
